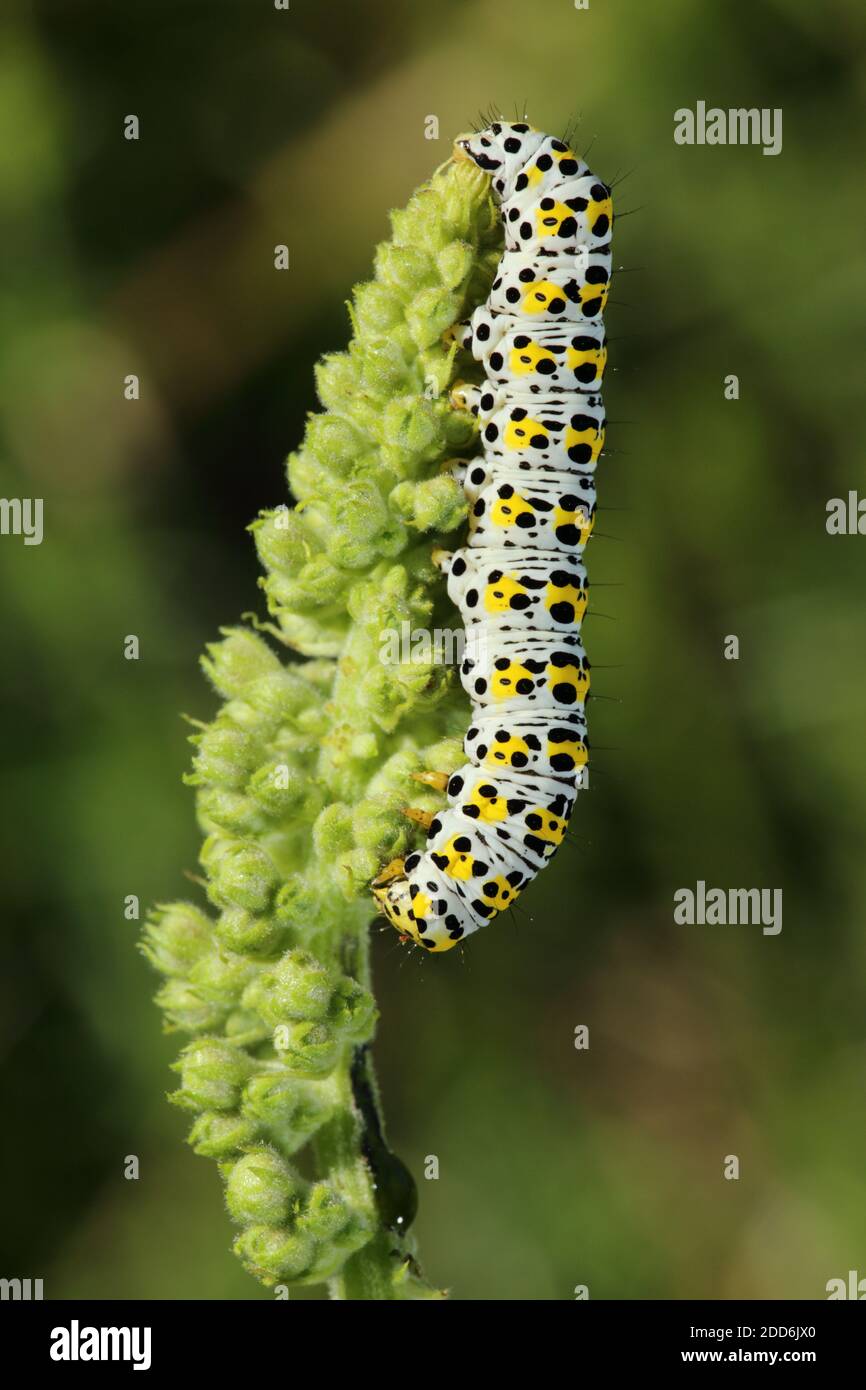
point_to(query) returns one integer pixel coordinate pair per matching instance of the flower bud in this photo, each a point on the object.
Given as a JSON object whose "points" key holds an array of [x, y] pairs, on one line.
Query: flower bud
{"points": [[383, 367], [308, 1049], [404, 269], [455, 263], [411, 424], [439, 504], [261, 1188], [282, 540], [326, 1212], [220, 1136], [430, 313], [376, 310], [244, 876], [249, 932], [186, 1010], [239, 658], [221, 977], [212, 1074], [275, 1253], [288, 1108], [353, 1011], [175, 936], [297, 987], [226, 754], [279, 785], [335, 381], [229, 813]]}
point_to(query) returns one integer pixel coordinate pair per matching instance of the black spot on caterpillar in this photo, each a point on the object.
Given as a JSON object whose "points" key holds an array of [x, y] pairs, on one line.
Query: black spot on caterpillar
{"points": [[519, 582]]}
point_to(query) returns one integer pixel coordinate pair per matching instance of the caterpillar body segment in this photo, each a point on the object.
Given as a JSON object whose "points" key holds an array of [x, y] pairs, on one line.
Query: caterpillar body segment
{"points": [[540, 429], [533, 287], [519, 581], [548, 511], [538, 357], [552, 747], [517, 590], [543, 672]]}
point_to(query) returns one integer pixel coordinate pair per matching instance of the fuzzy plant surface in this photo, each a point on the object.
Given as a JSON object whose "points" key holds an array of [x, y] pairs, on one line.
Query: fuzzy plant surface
{"points": [[303, 778]]}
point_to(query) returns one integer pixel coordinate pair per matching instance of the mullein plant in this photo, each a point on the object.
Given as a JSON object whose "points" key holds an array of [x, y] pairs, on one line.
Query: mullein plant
{"points": [[304, 777]]}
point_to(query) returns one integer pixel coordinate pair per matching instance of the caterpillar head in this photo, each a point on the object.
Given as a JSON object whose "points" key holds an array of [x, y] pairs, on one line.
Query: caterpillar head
{"points": [[501, 150], [395, 903], [414, 913]]}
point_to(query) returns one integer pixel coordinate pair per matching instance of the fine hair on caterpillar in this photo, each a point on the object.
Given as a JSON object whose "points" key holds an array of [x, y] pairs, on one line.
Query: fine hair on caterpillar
{"points": [[519, 581]]}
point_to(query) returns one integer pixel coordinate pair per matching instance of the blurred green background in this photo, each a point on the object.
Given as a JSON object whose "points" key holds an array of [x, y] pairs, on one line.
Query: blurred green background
{"points": [[558, 1167]]}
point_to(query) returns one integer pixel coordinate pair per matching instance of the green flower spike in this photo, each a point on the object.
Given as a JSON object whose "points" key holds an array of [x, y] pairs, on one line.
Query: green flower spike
{"points": [[303, 777]]}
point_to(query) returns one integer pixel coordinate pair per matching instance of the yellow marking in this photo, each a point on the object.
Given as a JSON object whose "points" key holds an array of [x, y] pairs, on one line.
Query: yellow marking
{"points": [[576, 750], [459, 863], [498, 595], [524, 360], [502, 898], [595, 210], [506, 510], [490, 809], [593, 437], [601, 292], [444, 944], [550, 220], [567, 593], [504, 752], [518, 433], [575, 357], [538, 294], [552, 828], [573, 675], [504, 683], [577, 518]]}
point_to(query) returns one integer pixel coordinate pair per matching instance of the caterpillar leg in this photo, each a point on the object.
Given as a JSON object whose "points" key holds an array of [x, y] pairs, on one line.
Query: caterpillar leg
{"points": [[454, 468], [391, 870], [464, 396], [423, 818], [457, 333], [437, 780], [478, 333]]}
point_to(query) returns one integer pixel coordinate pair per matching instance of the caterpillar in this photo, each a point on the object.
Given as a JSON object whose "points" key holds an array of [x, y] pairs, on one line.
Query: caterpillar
{"points": [[519, 581]]}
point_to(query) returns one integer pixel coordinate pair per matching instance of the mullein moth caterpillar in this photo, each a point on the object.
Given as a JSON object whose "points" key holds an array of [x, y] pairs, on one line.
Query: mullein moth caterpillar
{"points": [[519, 582]]}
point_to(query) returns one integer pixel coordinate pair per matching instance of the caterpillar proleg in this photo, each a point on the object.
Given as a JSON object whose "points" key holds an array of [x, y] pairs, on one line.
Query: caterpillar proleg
{"points": [[519, 582]]}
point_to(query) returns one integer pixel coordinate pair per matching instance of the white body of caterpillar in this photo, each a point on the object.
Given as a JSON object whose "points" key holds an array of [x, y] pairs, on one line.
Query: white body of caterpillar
{"points": [[519, 582]]}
